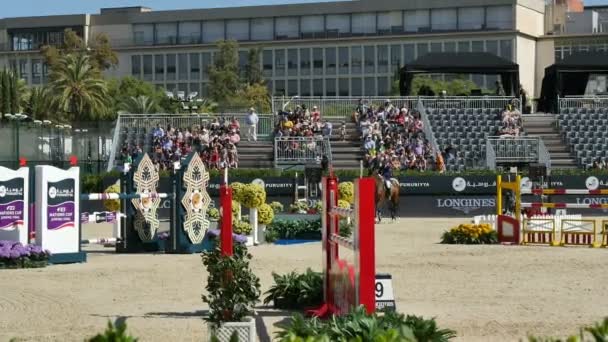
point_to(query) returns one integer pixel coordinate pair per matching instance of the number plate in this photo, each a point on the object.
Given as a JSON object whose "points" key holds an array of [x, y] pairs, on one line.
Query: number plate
{"points": [[385, 299]]}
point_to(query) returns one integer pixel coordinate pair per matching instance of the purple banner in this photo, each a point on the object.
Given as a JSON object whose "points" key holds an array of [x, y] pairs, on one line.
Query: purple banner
{"points": [[11, 214], [84, 218], [60, 216]]}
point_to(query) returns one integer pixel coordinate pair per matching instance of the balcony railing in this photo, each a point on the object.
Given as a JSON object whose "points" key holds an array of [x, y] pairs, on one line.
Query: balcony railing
{"points": [[300, 150], [515, 150]]}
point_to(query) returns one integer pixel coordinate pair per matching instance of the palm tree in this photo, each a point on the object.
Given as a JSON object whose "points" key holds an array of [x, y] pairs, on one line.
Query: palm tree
{"points": [[139, 105], [40, 104], [80, 90]]}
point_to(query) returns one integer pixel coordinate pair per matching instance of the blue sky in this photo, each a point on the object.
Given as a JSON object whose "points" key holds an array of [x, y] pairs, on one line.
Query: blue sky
{"points": [[24, 8]]}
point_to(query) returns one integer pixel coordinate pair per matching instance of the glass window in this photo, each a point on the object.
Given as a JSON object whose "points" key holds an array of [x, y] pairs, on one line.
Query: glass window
{"points": [[409, 53], [364, 23], [435, 47], [237, 29], [166, 33], [506, 49], [478, 80], [206, 59], [338, 24], [343, 60], [213, 31], [423, 49], [143, 34], [183, 87], [262, 29], [159, 67], [311, 24], [464, 46], [330, 87], [499, 17], [23, 72], [287, 27], [292, 88], [356, 59], [382, 58], [37, 70], [370, 86], [195, 88], [470, 18], [357, 89], [417, 21], [183, 66], [444, 19], [204, 90], [492, 47], [195, 66], [390, 22], [477, 46], [243, 63], [395, 57], [45, 73], [171, 67], [135, 66], [279, 88], [147, 67], [343, 88], [305, 87], [267, 62], [292, 62], [317, 87], [304, 61], [330, 61], [279, 62], [317, 61], [449, 47], [383, 89], [369, 60], [190, 32], [171, 87]]}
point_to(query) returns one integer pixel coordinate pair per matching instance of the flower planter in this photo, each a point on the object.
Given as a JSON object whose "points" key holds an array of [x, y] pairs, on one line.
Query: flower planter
{"points": [[261, 233], [245, 330]]}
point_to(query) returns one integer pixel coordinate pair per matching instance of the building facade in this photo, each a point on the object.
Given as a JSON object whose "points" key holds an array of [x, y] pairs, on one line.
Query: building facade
{"points": [[348, 48]]}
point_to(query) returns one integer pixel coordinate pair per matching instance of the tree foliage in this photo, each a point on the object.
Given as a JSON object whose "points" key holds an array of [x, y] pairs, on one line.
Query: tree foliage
{"points": [[253, 72], [99, 50], [139, 105], [41, 104], [455, 87], [121, 91], [223, 73], [13, 92]]}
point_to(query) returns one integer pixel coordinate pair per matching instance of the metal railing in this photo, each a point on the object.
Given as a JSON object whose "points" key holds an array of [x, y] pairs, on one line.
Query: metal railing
{"points": [[471, 102], [505, 150], [582, 102], [115, 145], [427, 128], [301, 150]]}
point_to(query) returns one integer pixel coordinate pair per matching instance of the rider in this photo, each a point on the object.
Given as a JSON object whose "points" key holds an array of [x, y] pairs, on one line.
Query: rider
{"points": [[387, 174]]}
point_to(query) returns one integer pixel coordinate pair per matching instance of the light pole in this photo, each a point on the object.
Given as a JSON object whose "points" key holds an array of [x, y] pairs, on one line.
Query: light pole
{"points": [[16, 119]]}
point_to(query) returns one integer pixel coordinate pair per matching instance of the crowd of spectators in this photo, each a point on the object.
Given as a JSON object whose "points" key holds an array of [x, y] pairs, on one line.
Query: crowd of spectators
{"points": [[215, 141], [393, 137], [511, 122], [302, 122]]}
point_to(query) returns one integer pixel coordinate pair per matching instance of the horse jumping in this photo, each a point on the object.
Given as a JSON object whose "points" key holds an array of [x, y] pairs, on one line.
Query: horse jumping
{"points": [[384, 196]]}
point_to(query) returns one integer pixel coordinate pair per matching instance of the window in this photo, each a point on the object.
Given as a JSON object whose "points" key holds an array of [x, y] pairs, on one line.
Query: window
{"points": [[23, 69], [338, 24], [477, 46], [356, 59], [357, 89], [171, 67], [147, 67], [183, 66], [417, 21], [45, 73], [470, 18], [261, 29], [159, 67], [370, 86], [237, 29], [492, 47], [499, 17], [317, 87], [382, 59], [195, 88], [409, 53], [292, 62], [330, 61], [330, 87], [395, 57], [166, 33], [195, 66], [190, 32], [383, 86], [287, 27], [449, 47], [206, 59], [506, 49], [343, 88], [267, 63], [343, 60], [390, 22], [183, 87], [243, 63], [279, 62], [478, 80], [304, 61], [213, 31], [444, 19], [135, 67], [37, 70], [143, 34], [204, 90], [310, 24], [464, 46], [435, 47], [279, 88], [292, 88], [305, 87], [369, 60], [423, 49], [364, 23], [317, 61]]}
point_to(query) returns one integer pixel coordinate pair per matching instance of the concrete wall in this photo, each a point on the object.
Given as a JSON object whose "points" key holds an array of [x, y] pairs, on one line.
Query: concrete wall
{"points": [[583, 22], [545, 56], [529, 21], [525, 56]]}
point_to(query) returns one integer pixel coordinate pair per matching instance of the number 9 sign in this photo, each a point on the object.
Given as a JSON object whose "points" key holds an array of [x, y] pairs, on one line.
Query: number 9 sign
{"points": [[385, 299]]}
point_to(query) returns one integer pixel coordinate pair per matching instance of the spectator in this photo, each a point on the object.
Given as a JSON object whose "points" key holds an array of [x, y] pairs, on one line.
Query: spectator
{"points": [[252, 122], [500, 91], [327, 129], [343, 131], [315, 114], [450, 153]]}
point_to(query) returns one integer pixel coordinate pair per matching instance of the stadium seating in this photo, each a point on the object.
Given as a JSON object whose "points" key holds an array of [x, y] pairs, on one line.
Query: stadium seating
{"points": [[584, 130]]}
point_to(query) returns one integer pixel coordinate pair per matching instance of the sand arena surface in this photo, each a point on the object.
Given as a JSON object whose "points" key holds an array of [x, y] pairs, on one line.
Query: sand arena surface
{"points": [[485, 293]]}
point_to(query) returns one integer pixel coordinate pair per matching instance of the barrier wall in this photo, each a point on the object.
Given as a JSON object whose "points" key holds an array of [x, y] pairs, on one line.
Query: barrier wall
{"points": [[14, 204]]}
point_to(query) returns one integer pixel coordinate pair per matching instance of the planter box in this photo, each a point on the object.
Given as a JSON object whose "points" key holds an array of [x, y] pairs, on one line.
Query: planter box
{"points": [[245, 330]]}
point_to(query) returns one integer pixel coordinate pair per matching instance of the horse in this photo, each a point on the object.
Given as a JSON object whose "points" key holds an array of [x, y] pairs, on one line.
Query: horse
{"points": [[382, 196]]}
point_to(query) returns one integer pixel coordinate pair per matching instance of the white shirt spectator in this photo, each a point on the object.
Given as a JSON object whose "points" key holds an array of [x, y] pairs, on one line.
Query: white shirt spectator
{"points": [[252, 123]]}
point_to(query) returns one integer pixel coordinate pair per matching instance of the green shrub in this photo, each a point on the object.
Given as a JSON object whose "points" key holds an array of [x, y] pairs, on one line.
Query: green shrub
{"points": [[346, 192], [277, 207], [288, 229], [237, 191], [113, 204], [470, 234], [241, 227], [597, 333], [236, 211], [114, 334], [343, 204], [296, 290], [265, 214], [298, 208], [213, 213], [253, 196]]}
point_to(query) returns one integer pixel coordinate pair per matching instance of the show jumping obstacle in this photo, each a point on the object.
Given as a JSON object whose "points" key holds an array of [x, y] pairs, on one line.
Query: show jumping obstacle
{"points": [[348, 285], [544, 230]]}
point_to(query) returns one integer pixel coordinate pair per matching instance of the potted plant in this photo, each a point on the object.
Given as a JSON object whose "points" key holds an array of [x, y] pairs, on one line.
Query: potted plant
{"points": [[232, 291], [265, 217]]}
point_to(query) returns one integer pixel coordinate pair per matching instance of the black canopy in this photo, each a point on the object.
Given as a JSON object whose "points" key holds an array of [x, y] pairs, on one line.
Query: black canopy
{"points": [[461, 63], [569, 76]]}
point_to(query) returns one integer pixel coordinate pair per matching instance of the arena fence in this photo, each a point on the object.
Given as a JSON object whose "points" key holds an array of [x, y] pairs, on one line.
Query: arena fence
{"points": [[516, 150], [300, 150], [579, 102]]}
